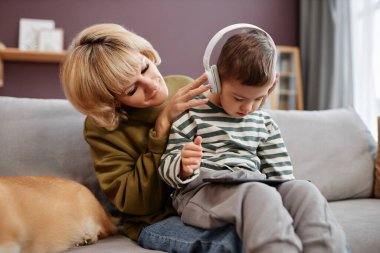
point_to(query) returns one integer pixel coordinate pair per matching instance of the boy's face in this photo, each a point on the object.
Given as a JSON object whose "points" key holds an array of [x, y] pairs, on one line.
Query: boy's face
{"points": [[239, 100]]}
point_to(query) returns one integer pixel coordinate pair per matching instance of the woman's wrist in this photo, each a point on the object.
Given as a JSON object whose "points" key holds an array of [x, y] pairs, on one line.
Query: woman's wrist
{"points": [[157, 145], [162, 127]]}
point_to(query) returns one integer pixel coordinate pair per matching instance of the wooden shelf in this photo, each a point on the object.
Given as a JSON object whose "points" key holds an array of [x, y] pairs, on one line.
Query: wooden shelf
{"points": [[288, 93], [14, 54]]}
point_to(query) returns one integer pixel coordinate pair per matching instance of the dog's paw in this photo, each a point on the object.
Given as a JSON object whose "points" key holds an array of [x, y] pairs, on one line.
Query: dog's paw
{"points": [[87, 240]]}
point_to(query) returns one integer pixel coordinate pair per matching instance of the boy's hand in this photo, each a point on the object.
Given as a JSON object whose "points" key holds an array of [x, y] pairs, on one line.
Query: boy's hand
{"points": [[191, 156]]}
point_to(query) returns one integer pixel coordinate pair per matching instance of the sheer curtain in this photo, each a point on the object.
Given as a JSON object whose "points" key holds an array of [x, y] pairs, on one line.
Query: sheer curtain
{"points": [[340, 54], [326, 57], [366, 60]]}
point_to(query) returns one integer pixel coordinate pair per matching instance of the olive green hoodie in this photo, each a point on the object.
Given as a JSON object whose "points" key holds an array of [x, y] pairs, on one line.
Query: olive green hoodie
{"points": [[126, 162]]}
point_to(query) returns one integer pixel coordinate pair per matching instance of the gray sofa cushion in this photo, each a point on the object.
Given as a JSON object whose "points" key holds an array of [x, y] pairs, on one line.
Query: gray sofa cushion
{"points": [[44, 137], [330, 148], [360, 221]]}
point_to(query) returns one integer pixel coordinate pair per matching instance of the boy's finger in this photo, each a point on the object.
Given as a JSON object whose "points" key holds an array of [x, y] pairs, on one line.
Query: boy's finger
{"points": [[198, 140], [187, 171], [196, 153], [191, 146], [192, 164]]}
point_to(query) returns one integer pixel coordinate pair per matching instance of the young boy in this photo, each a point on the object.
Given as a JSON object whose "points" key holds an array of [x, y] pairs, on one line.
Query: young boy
{"points": [[231, 137]]}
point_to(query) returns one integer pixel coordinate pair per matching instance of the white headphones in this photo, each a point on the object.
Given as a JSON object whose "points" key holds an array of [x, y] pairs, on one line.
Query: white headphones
{"points": [[212, 72]]}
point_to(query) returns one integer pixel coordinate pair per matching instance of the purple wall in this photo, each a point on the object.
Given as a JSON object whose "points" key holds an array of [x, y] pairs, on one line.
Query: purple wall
{"points": [[178, 29]]}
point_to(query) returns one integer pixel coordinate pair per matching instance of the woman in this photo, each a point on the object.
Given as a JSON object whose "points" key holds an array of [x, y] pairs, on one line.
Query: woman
{"points": [[111, 75]]}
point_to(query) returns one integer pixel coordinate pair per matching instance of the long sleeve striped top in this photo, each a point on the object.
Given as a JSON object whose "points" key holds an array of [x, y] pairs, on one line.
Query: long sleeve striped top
{"points": [[253, 143]]}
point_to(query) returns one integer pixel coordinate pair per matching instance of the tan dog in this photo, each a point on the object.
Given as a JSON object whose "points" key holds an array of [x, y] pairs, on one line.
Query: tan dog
{"points": [[48, 215]]}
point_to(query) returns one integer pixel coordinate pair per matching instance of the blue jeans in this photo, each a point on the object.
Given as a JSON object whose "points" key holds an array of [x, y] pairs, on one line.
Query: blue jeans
{"points": [[171, 235]]}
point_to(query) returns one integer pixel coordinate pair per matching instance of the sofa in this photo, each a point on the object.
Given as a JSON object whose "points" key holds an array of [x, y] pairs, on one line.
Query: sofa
{"points": [[331, 148]]}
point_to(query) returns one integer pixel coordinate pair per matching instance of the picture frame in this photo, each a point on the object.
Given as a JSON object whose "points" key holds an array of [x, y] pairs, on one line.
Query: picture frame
{"points": [[50, 40], [28, 32]]}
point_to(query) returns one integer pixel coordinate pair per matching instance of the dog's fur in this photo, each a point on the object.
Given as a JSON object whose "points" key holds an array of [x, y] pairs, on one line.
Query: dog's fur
{"points": [[49, 214]]}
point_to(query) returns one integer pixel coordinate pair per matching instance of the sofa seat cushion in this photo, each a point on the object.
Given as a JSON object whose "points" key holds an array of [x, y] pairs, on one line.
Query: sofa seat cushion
{"points": [[360, 220], [332, 148]]}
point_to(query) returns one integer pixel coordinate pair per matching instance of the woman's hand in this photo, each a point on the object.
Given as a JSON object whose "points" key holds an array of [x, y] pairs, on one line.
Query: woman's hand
{"points": [[181, 101], [191, 156]]}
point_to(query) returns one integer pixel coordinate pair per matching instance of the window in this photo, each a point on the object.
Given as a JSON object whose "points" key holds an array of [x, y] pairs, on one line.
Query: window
{"points": [[365, 31]]}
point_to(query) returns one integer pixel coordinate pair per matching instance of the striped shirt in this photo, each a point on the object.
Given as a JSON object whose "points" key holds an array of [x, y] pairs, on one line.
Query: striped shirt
{"points": [[253, 143]]}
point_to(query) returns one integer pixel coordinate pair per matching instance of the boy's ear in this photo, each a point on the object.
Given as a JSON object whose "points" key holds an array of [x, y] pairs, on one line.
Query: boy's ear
{"points": [[271, 89]]}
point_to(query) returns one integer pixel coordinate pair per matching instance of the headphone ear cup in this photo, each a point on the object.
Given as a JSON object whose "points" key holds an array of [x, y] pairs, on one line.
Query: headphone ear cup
{"points": [[215, 85], [211, 80]]}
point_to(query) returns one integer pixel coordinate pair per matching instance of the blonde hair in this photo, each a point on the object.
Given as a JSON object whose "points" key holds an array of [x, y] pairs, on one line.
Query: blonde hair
{"points": [[101, 61]]}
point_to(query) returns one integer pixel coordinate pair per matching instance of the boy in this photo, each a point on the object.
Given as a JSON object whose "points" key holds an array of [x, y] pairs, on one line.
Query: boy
{"points": [[231, 137]]}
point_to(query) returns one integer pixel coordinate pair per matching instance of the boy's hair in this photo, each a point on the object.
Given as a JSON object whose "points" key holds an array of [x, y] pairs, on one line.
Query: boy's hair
{"points": [[100, 63], [249, 57]]}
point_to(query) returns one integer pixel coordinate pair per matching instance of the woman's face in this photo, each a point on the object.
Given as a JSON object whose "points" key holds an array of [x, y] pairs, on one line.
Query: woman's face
{"points": [[147, 87]]}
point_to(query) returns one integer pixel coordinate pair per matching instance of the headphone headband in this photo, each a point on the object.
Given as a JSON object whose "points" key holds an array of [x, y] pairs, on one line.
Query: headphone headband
{"points": [[214, 40]]}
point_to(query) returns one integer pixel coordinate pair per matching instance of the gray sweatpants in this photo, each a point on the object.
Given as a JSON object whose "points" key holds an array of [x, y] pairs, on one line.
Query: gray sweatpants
{"points": [[293, 217]]}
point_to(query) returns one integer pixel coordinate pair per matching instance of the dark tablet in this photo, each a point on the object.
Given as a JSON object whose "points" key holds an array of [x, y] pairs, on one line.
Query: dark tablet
{"points": [[271, 182]]}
